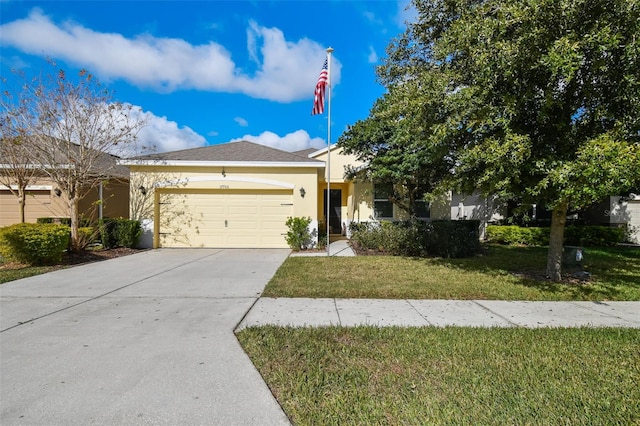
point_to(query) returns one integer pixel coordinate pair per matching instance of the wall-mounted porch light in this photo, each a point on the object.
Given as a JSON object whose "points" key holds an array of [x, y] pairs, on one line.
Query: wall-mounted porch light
{"points": [[302, 192], [143, 190], [57, 192], [224, 174]]}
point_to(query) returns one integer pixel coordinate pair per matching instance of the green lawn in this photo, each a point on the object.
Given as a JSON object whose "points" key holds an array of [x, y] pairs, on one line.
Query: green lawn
{"points": [[16, 273], [432, 376], [501, 273]]}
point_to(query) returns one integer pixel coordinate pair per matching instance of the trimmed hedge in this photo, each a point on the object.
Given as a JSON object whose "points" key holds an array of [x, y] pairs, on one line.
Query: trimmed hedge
{"points": [[119, 233], [518, 235], [443, 238], [34, 243], [593, 236], [453, 238], [83, 221], [588, 236]]}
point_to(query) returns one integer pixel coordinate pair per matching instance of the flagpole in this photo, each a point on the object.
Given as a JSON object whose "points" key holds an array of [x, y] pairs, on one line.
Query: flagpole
{"points": [[329, 52]]}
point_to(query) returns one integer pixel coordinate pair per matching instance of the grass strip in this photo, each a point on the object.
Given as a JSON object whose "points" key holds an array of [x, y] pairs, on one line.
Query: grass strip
{"points": [[7, 275], [394, 376], [501, 273]]}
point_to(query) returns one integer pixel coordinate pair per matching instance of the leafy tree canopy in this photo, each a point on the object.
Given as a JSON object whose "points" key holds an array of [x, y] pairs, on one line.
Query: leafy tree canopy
{"points": [[543, 96], [531, 99]]}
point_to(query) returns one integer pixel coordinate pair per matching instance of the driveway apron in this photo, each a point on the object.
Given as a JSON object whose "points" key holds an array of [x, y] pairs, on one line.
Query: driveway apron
{"points": [[141, 339]]}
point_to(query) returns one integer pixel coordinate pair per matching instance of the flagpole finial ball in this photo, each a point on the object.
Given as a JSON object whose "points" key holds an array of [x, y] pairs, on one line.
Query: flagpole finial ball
{"points": [[330, 50]]}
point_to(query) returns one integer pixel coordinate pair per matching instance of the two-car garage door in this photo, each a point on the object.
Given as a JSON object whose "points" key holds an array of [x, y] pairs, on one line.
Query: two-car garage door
{"points": [[224, 218]]}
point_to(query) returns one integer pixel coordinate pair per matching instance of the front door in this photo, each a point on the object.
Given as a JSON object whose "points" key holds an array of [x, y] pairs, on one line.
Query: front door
{"points": [[335, 210]]}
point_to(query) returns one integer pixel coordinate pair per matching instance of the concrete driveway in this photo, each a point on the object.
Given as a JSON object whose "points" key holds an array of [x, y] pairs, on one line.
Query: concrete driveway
{"points": [[141, 339]]}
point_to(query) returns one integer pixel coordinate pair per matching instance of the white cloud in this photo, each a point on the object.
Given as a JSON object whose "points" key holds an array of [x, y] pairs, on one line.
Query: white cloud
{"points": [[286, 70], [373, 56], [241, 121], [291, 142], [162, 135]]}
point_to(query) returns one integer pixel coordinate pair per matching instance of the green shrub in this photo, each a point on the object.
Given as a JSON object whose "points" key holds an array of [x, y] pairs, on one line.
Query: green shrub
{"points": [[106, 228], [404, 238], [34, 243], [298, 235], [444, 238], [364, 235], [119, 233], [83, 222], [128, 233], [518, 235], [588, 236], [60, 220], [453, 238], [593, 236]]}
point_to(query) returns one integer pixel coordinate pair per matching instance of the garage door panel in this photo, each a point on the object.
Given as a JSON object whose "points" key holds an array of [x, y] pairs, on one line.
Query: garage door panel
{"points": [[243, 210], [226, 219]]}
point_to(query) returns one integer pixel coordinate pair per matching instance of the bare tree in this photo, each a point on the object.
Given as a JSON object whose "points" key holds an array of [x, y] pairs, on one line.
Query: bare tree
{"points": [[75, 128], [14, 173]]}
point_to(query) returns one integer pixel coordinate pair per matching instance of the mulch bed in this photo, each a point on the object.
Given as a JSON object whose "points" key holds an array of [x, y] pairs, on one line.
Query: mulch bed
{"points": [[89, 256], [74, 259]]}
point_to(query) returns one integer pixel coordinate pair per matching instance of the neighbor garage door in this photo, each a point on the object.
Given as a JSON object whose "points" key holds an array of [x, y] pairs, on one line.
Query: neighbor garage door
{"points": [[37, 204], [234, 219]]}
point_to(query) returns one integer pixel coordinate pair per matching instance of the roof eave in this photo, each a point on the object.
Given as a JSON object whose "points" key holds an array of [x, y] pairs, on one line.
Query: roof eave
{"points": [[185, 163]]}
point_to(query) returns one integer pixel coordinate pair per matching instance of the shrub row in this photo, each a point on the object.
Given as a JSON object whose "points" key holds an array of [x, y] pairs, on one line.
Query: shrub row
{"points": [[588, 236], [34, 243], [119, 233], [84, 222], [443, 238]]}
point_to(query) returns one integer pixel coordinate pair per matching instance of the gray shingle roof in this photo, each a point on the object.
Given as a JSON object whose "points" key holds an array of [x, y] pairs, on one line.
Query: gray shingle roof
{"points": [[242, 151], [305, 152], [66, 153]]}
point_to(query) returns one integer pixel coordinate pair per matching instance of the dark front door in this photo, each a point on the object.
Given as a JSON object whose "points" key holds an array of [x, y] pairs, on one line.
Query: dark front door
{"points": [[335, 217]]}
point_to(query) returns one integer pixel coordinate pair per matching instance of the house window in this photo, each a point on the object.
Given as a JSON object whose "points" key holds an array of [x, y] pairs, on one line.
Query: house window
{"points": [[423, 210], [382, 207]]}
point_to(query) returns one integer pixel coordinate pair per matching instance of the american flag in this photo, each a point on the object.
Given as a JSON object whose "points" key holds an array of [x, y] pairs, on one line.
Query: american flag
{"points": [[318, 101]]}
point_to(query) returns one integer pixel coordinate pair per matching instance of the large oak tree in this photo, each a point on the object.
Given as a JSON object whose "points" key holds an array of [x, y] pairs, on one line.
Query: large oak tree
{"points": [[542, 97]]}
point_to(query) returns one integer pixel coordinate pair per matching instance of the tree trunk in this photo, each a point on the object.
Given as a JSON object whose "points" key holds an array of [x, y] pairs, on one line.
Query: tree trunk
{"points": [[556, 241], [73, 213], [22, 200]]}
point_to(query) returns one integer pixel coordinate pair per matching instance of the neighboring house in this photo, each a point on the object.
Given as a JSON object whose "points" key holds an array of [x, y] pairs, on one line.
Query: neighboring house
{"points": [[240, 194], [617, 211], [44, 198]]}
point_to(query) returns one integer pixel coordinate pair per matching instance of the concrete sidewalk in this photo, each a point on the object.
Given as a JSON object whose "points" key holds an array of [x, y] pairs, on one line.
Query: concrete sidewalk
{"points": [[300, 312]]}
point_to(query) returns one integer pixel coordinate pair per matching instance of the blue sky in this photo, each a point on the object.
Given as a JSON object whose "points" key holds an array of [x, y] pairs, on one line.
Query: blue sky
{"points": [[208, 72]]}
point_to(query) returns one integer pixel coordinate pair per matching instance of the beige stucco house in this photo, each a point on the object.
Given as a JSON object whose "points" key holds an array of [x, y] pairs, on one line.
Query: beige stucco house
{"points": [[109, 198], [240, 194], [45, 200]]}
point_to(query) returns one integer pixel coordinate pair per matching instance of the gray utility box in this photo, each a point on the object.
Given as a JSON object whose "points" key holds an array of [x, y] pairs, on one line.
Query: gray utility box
{"points": [[572, 256]]}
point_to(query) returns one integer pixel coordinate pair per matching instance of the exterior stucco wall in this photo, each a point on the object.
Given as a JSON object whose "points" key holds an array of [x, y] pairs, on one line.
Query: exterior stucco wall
{"points": [[234, 178], [339, 163], [42, 201], [115, 201], [633, 208]]}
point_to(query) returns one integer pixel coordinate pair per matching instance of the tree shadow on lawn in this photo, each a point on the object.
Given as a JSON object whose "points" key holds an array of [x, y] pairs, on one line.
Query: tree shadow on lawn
{"points": [[615, 271]]}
